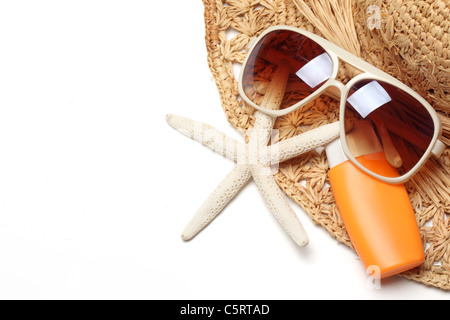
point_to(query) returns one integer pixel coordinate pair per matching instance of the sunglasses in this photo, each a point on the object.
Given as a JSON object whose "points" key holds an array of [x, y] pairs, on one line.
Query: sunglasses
{"points": [[381, 119]]}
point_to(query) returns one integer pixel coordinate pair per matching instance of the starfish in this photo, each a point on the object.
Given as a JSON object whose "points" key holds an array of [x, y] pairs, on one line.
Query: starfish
{"points": [[254, 159]]}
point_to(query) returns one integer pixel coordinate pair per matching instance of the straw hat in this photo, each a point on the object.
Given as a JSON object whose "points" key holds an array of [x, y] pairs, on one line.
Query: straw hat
{"points": [[411, 44]]}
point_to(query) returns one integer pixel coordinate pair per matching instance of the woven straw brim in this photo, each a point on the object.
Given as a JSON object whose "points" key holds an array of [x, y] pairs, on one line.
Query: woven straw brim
{"points": [[412, 43], [231, 24]]}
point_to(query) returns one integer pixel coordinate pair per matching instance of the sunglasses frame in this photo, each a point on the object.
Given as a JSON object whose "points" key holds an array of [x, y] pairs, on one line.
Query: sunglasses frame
{"points": [[341, 91]]}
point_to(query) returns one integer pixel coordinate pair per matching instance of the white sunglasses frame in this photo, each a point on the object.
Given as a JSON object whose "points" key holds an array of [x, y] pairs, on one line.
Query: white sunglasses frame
{"points": [[338, 89]]}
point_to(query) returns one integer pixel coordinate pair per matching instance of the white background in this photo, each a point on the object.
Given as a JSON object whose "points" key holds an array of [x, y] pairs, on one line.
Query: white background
{"points": [[95, 187]]}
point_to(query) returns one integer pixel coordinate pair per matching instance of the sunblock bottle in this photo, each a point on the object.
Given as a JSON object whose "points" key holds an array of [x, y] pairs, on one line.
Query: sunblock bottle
{"points": [[378, 216]]}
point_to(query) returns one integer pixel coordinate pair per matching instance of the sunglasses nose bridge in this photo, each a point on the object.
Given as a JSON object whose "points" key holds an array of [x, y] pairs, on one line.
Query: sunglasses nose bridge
{"points": [[335, 89]]}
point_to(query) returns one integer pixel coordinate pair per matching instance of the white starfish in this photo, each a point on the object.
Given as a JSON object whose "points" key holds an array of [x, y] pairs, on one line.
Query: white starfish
{"points": [[254, 159]]}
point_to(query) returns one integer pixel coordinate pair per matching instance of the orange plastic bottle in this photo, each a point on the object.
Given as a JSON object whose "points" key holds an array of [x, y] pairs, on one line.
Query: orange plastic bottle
{"points": [[378, 216]]}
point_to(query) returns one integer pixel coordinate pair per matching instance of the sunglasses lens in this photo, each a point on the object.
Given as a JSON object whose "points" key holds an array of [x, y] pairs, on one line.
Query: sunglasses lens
{"points": [[308, 64], [387, 130]]}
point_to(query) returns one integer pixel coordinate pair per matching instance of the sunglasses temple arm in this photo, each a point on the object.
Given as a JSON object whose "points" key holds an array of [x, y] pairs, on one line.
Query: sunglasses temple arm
{"points": [[412, 136], [392, 155], [305, 142]]}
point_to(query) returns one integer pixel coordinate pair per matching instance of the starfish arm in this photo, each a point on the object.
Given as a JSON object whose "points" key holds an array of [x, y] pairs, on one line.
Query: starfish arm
{"points": [[278, 204], [261, 132], [217, 201], [207, 136], [305, 142]]}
